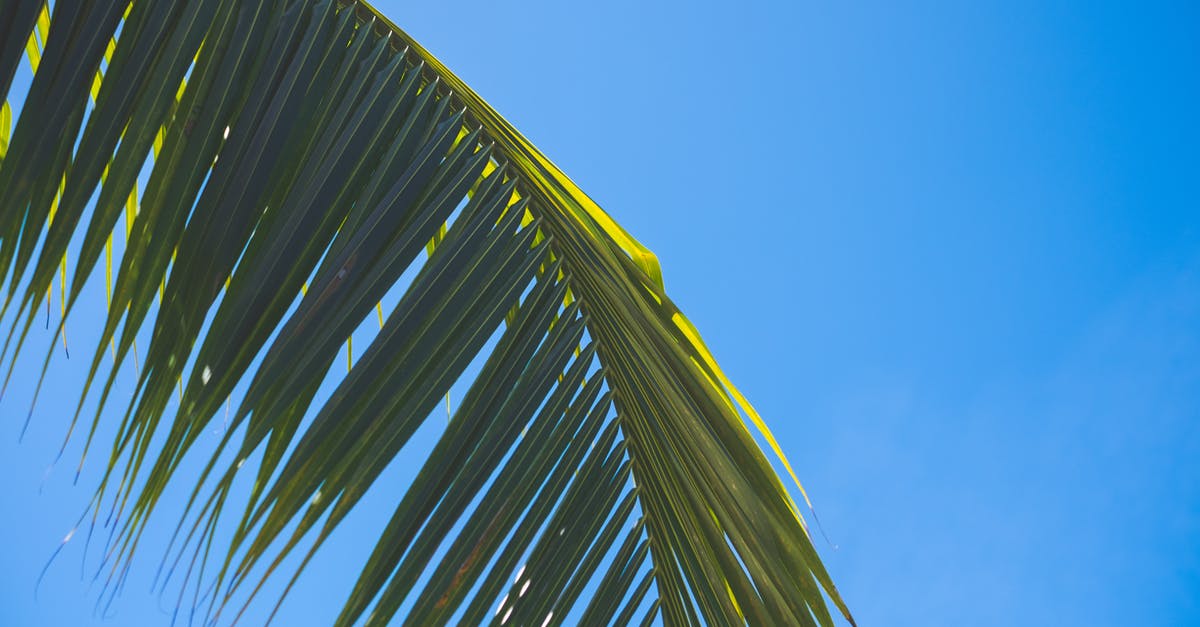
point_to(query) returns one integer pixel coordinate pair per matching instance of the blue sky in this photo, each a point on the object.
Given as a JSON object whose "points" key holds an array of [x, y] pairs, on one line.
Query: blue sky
{"points": [[950, 250]]}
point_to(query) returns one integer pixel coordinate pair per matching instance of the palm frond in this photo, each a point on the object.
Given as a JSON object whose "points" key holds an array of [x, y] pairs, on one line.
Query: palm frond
{"points": [[296, 158]]}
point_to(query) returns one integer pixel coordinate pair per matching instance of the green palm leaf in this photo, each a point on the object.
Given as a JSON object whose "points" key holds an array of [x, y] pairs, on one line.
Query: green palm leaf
{"points": [[297, 157]]}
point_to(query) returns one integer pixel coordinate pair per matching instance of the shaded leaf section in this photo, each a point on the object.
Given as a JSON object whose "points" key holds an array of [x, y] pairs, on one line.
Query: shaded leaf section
{"points": [[298, 157]]}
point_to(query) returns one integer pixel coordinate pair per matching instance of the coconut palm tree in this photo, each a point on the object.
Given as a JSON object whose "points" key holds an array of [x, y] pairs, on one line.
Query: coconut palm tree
{"points": [[280, 172]]}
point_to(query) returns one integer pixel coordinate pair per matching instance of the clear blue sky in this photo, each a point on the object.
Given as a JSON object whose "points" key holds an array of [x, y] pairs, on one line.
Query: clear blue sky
{"points": [[950, 250]]}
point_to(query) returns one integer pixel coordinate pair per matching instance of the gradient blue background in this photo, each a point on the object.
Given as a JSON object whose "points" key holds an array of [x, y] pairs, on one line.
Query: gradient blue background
{"points": [[950, 250]]}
